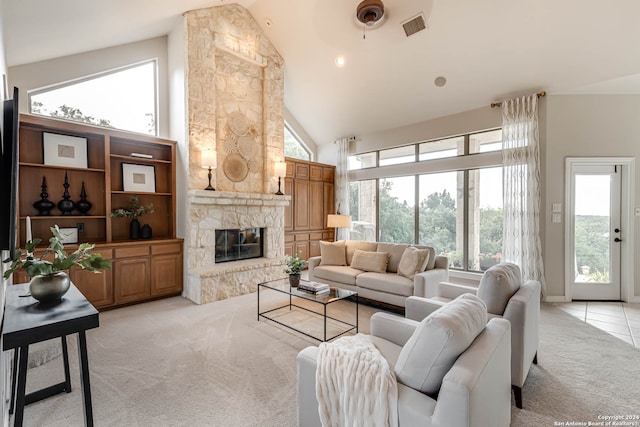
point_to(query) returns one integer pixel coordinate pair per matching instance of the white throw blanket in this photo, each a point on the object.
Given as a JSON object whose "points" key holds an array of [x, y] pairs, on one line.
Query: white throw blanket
{"points": [[355, 385]]}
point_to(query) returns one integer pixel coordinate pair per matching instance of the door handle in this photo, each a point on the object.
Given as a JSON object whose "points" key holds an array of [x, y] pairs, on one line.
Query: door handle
{"points": [[617, 240], [617, 230]]}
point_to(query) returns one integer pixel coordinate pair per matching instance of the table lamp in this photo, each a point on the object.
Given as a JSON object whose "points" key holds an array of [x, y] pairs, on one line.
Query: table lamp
{"points": [[280, 170], [209, 161]]}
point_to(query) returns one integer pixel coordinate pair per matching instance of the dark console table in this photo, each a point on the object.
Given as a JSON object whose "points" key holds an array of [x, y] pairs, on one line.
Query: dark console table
{"points": [[26, 321]]}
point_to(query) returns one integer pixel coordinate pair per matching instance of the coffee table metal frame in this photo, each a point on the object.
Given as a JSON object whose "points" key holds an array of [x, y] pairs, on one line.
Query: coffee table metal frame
{"points": [[335, 294]]}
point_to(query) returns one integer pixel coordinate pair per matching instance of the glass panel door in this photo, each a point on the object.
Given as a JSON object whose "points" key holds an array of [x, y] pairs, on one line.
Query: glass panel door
{"points": [[596, 233]]}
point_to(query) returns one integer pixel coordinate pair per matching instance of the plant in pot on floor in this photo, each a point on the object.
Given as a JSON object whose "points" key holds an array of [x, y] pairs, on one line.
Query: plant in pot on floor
{"points": [[135, 211], [295, 264], [49, 280]]}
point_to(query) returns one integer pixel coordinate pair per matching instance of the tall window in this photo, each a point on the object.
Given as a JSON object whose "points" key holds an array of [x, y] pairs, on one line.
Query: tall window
{"points": [[362, 208], [458, 212], [293, 146], [397, 213], [122, 99]]}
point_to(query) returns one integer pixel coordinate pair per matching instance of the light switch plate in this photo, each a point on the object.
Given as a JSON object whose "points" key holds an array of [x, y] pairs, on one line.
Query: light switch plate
{"points": [[556, 218], [557, 207]]}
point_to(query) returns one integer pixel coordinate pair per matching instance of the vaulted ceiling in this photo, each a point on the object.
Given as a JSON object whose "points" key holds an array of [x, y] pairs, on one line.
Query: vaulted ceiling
{"points": [[487, 50]]}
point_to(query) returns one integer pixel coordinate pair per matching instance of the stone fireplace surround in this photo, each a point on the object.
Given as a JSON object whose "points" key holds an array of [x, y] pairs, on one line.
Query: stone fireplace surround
{"points": [[211, 210]]}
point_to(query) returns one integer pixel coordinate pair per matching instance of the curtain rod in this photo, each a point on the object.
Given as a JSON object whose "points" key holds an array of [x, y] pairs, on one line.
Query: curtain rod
{"points": [[498, 104]]}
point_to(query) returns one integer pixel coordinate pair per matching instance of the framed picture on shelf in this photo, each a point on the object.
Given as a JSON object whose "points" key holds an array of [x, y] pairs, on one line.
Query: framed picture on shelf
{"points": [[64, 150], [138, 178]]}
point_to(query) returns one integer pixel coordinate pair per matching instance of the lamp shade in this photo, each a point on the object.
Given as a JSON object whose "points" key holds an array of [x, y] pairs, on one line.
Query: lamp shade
{"points": [[209, 159], [339, 221], [280, 169]]}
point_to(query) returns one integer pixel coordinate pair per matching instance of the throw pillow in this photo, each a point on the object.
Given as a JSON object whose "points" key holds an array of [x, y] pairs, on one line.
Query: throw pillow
{"points": [[497, 286], [413, 262], [437, 342], [332, 253], [370, 261]]}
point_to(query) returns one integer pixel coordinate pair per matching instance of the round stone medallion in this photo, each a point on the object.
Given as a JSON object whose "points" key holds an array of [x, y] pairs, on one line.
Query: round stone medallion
{"points": [[235, 167]]}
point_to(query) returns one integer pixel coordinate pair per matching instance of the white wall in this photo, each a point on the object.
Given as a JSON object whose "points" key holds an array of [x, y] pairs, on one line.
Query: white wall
{"points": [[41, 74], [584, 126]]}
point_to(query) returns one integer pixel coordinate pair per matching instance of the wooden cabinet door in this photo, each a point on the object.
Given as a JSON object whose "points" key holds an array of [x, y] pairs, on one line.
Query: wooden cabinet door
{"points": [[166, 274], [303, 247], [316, 205], [288, 210], [329, 202], [314, 248], [288, 249], [301, 205], [96, 287], [131, 278]]}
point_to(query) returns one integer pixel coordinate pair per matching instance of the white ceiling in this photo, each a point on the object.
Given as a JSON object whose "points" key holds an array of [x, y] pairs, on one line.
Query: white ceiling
{"points": [[487, 50]]}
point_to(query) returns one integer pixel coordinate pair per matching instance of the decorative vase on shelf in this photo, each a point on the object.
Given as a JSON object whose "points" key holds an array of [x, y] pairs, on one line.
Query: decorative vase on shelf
{"points": [[65, 205], [83, 205], [50, 287], [294, 280], [146, 231], [134, 229], [44, 205]]}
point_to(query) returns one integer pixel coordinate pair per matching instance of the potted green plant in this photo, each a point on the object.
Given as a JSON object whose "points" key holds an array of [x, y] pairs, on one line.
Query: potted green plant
{"points": [[49, 280], [135, 211], [295, 264]]}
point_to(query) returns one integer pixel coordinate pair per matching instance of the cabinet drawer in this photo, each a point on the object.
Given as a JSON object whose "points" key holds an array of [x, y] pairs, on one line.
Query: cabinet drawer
{"points": [[315, 236], [173, 248], [288, 238], [303, 236], [327, 235], [132, 251]]}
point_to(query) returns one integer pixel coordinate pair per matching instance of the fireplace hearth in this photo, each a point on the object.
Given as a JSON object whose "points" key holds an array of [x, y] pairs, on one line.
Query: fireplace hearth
{"points": [[237, 244]]}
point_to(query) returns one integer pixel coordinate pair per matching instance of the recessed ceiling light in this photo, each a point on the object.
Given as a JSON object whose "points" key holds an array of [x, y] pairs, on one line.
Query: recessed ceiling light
{"points": [[440, 81], [340, 61]]}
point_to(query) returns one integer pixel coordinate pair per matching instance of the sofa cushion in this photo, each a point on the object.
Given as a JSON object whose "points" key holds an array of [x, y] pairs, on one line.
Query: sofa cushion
{"points": [[352, 245], [395, 251], [497, 286], [370, 261], [337, 273], [386, 282], [431, 262], [438, 341], [413, 261], [332, 253]]}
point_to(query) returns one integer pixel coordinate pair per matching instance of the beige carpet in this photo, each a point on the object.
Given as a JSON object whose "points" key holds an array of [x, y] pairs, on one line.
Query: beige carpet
{"points": [[173, 363]]}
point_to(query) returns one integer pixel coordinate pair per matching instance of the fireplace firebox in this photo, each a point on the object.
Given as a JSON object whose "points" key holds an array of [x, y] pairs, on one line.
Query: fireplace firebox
{"points": [[237, 244]]}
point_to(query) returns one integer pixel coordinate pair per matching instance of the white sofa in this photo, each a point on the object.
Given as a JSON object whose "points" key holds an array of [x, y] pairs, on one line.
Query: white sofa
{"points": [[388, 287], [472, 389]]}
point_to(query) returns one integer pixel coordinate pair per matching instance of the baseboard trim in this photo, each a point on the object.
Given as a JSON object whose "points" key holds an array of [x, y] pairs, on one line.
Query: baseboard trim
{"points": [[553, 298]]}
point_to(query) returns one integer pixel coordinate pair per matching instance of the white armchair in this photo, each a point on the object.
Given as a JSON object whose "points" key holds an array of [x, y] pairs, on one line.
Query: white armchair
{"points": [[505, 295], [474, 391]]}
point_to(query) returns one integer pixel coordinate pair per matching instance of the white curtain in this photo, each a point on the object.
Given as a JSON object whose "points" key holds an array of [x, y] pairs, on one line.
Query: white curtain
{"points": [[521, 187], [342, 184]]}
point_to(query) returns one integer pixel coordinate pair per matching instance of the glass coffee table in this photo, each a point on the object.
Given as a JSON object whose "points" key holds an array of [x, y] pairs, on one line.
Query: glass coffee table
{"points": [[310, 303]]}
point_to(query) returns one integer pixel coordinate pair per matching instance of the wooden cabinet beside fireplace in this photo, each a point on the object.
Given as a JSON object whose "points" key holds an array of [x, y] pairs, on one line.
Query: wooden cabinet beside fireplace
{"points": [[311, 186], [142, 269]]}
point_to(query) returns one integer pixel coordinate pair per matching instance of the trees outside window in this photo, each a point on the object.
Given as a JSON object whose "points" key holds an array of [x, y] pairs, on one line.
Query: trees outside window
{"points": [[125, 99], [293, 147]]}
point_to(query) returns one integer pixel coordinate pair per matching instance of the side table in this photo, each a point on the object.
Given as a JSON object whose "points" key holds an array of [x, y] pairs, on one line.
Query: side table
{"points": [[26, 321]]}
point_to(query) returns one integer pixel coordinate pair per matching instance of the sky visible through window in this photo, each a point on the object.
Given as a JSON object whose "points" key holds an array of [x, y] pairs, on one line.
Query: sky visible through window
{"points": [[126, 98]]}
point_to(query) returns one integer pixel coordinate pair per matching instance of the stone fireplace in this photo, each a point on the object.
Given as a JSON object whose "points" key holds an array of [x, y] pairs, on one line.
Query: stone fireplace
{"points": [[235, 104], [217, 210]]}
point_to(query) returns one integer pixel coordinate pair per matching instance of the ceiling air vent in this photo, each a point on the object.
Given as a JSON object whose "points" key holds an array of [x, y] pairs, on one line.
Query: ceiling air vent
{"points": [[414, 25]]}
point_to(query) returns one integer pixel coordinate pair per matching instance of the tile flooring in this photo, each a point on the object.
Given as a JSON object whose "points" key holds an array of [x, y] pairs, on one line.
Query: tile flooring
{"points": [[620, 319]]}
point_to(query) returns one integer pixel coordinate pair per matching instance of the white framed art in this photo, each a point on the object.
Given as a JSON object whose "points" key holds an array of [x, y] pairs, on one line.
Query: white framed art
{"points": [[64, 150], [138, 178]]}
